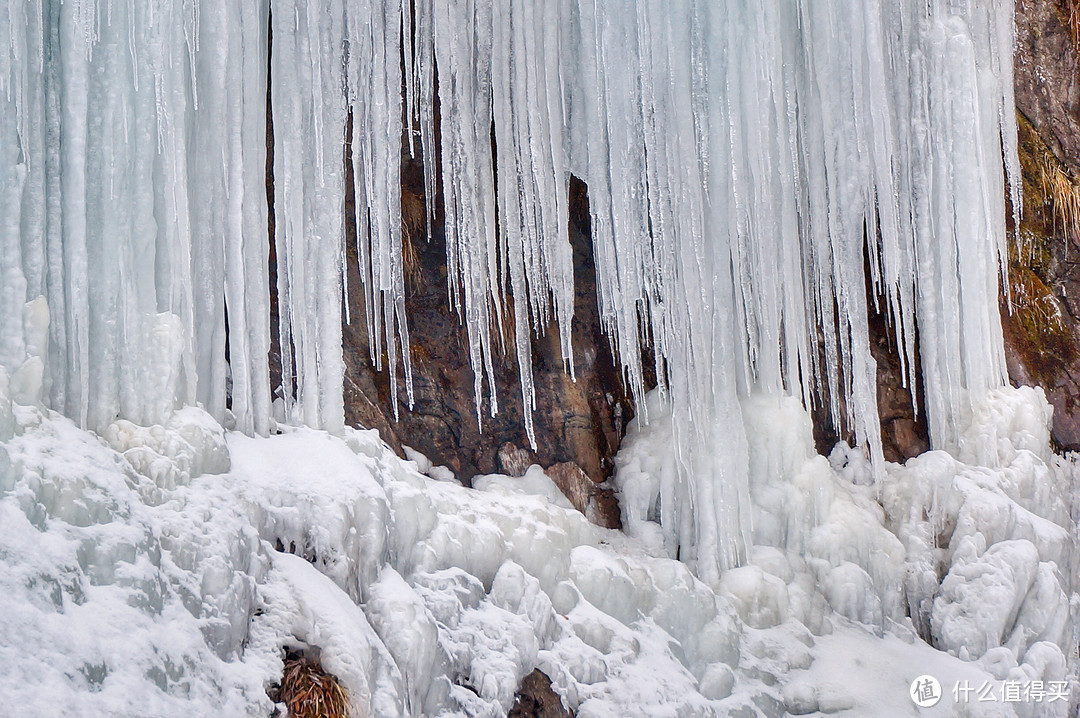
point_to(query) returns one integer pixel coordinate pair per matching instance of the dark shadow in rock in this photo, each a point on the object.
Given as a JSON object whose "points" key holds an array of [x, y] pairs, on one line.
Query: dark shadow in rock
{"points": [[576, 422]]}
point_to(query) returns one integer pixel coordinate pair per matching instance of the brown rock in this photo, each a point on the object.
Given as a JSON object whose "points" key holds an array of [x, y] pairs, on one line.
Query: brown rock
{"points": [[1047, 81], [573, 482], [578, 421], [904, 433], [603, 509], [1041, 314], [596, 501], [514, 461], [536, 699]]}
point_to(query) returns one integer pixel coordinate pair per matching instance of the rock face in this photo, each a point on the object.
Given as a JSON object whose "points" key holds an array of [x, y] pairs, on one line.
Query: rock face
{"points": [[1041, 315], [536, 699], [1046, 74], [578, 424], [904, 433]]}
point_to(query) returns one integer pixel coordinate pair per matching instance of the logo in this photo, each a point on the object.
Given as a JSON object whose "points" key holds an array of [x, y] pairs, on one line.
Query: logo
{"points": [[925, 691]]}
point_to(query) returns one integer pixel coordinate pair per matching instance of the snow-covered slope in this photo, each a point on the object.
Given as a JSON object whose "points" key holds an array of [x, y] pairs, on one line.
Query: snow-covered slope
{"points": [[158, 571]]}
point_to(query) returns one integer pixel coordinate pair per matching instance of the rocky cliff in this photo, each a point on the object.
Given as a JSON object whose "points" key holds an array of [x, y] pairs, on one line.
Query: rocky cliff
{"points": [[1041, 309]]}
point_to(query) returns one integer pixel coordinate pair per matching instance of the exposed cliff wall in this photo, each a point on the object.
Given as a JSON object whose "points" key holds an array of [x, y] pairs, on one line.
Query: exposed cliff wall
{"points": [[578, 423], [1041, 314]]}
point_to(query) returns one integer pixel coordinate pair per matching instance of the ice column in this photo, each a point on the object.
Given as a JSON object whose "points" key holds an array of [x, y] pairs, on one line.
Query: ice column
{"points": [[307, 66], [228, 210], [133, 202]]}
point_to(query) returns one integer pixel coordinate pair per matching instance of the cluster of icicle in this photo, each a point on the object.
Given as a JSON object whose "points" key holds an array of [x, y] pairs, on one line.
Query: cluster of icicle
{"points": [[747, 163]]}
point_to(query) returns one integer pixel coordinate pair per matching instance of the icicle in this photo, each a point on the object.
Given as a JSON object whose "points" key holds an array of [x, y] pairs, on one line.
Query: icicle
{"points": [[374, 94], [309, 107], [752, 168]]}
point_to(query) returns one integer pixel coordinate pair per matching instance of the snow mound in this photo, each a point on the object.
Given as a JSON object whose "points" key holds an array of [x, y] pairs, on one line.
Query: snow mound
{"points": [[976, 556], [208, 552]]}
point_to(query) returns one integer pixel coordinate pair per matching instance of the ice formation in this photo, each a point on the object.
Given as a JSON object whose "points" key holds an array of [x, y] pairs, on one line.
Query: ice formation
{"points": [[745, 162], [741, 160], [208, 551]]}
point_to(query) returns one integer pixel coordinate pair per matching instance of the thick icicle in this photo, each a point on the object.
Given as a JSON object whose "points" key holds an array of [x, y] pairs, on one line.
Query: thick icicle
{"points": [[745, 161], [309, 133]]}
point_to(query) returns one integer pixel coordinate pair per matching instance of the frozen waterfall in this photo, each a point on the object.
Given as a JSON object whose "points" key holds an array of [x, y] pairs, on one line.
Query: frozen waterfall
{"points": [[746, 163]]}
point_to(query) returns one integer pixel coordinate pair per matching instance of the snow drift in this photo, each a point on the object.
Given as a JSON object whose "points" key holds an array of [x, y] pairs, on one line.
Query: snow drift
{"points": [[159, 571]]}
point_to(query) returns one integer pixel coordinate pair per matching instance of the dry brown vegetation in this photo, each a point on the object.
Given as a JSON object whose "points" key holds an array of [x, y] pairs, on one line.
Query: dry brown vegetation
{"points": [[311, 692], [1064, 195], [413, 221]]}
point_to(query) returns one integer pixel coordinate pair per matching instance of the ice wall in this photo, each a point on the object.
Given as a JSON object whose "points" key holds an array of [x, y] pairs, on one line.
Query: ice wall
{"points": [[134, 203], [746, 162]]}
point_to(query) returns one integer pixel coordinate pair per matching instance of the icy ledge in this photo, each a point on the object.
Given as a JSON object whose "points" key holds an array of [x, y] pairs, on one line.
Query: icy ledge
{"points": [[140, 574]]}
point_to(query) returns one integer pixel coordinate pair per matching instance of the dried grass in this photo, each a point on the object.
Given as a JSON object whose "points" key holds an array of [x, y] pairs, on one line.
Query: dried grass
{"points": [[413, 221], [1064, 195], [311, 692]]}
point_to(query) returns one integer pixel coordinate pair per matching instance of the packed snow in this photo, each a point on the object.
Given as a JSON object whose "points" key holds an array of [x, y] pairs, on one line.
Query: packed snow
{"points": [[161, 570]]}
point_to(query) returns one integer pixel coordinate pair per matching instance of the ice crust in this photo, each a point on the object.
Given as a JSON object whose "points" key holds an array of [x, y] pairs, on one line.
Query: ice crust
{"points": [[159, 571]]}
